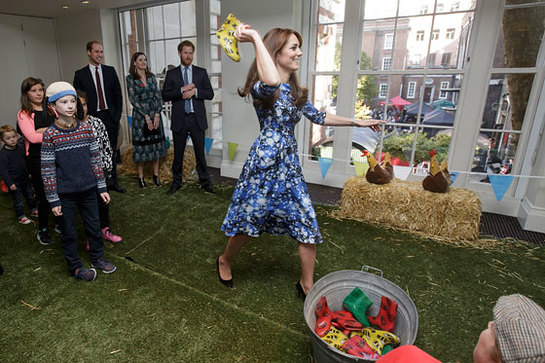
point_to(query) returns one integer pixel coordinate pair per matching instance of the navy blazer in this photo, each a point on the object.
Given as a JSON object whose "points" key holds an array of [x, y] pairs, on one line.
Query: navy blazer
{"points": [[172, 91], [83, 80]]}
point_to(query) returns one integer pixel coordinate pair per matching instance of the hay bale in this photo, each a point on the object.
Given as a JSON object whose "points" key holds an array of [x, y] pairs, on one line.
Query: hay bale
{"points": [[406, 205], [165, 165]]}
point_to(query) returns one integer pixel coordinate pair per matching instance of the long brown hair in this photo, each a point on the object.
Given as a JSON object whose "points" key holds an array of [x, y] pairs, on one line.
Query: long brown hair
{"points": [[28, 83], [132, 69], [274, 41]]}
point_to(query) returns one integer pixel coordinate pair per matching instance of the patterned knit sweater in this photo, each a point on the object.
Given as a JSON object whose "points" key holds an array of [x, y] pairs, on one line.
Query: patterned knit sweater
{"points": [[70, 162]]}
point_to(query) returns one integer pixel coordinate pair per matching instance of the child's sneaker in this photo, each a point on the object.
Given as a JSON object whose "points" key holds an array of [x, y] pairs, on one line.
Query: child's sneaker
{"points": [[24, 220], [108, 235], [85, 274], [44, 238], [106, 266], [34, 213]]}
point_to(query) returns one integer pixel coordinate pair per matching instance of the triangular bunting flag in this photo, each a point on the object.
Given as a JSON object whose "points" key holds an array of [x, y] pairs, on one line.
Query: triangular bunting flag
{"points": [[129, 120], [500, 184], [361, 167], [325, 163], [208, 144], [453, 176], [402, 172], [232, 147]]}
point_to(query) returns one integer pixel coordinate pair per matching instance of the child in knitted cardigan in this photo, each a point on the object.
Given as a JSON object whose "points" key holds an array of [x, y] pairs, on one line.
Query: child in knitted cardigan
{"points": [[72, 174]]}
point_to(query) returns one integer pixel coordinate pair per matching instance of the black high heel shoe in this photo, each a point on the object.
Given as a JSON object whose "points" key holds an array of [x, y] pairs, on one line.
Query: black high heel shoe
{"points": [[300, 291], [156, 181], [228, 283], [142, 183]]}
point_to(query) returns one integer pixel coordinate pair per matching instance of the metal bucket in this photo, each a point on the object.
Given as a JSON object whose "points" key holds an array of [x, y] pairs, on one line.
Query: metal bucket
{"points": [[336, 286]]}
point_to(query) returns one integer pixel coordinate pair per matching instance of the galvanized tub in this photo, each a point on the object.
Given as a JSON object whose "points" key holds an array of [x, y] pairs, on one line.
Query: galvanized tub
{"points": [[336, 286]]}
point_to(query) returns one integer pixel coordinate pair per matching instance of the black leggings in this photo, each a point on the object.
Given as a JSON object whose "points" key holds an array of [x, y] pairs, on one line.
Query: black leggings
{"points": [[43, 204]]}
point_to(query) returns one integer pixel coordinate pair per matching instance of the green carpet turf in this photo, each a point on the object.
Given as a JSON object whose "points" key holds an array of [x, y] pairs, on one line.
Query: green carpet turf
{"points": [[164, 303]]}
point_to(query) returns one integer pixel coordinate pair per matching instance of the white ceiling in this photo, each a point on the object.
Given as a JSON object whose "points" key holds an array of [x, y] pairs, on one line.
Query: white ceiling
{"points": [[53, 8]]}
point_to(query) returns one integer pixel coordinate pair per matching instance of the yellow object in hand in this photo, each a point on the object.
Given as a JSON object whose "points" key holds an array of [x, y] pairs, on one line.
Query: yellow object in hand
{"points": [[226, 37]]}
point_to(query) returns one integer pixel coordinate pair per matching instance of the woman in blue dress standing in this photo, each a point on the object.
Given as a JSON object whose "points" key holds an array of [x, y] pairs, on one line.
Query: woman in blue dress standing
{"points": [[148, 137], [271, 195]]}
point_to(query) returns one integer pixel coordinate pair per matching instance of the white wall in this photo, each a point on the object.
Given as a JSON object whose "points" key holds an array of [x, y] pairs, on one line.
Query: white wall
{"points": [[73, 33], [240, 123], [29, 51]]}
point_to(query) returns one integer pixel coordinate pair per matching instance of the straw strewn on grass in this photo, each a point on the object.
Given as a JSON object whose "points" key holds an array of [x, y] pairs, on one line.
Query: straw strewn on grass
{"points": [[406, 205], [165, 165]]}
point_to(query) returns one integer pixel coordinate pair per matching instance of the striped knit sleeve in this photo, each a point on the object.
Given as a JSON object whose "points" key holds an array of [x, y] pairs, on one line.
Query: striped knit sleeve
{"points": [[49, 171], [96, 162]]}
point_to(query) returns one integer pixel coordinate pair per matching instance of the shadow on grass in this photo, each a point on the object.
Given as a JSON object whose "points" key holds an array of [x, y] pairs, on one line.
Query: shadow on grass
{"points": [[165, 303]]}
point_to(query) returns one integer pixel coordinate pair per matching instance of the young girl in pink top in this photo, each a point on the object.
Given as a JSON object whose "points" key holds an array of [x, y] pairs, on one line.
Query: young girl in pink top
{"points": [[32, 120]]}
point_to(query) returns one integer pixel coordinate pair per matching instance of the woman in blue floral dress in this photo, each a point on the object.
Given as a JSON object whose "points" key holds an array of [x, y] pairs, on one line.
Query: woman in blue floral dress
{"points": [[271, 195], [148, 137]]}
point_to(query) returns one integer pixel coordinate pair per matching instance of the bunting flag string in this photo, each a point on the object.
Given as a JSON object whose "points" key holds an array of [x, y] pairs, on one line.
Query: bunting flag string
{"points": [[402, 172], [361, 167], [232, 147], [500, 183], [208, 144], [325, 163]]}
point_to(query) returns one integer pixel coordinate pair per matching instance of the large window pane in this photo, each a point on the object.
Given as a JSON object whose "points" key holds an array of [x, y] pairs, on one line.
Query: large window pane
{"points": [[494, 154], [415, 7], [215, 20], [171, 16], [455, 5], [216, 53], [155, 23], [156, 57], [446, 45], [328, 42], [216, 111], [520, 37], [377, 47], [376, 9], [330, 11], [506, 101], [189, 28], [324, 98]]}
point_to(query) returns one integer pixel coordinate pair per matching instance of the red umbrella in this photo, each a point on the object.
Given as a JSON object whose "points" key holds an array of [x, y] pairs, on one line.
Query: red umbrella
{"points": [[397, 101]]}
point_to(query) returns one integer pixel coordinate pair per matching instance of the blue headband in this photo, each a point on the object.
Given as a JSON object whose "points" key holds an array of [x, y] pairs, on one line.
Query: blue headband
{"points": [[61, 94]]}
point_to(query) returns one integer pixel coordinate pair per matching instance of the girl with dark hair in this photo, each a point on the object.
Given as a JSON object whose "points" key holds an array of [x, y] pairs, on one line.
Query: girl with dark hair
{"points": [[271, 195], [148, 137], [33, 119]]}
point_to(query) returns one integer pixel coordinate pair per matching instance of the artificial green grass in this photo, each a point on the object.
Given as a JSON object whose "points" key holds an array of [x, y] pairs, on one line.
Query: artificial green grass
{"points": [[165, 303]]}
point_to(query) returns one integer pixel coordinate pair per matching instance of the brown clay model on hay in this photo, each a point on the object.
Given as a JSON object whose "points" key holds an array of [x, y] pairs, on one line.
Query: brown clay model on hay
{"points": [[405, 205], [165, 165]]}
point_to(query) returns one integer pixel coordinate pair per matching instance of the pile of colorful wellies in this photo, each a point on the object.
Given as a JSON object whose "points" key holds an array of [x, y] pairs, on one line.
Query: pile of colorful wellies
{"points": [[353, 331]]}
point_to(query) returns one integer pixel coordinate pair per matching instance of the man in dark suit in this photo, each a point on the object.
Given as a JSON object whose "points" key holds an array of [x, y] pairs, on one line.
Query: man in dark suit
{"points": [[187, 86], [105, 100]]}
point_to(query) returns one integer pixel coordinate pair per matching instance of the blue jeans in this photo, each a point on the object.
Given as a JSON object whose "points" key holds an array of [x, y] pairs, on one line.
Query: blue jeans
{"points": [[24, 191], [86, 202]]}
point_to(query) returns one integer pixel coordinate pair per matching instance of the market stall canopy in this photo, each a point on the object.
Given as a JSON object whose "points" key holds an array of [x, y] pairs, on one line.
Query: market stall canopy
{"points": [[412, 109], [397, 101], [438, 118]]}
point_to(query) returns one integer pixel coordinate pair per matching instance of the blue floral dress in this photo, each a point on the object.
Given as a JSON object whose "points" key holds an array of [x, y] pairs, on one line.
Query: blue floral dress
{"points": [[271, 195]]}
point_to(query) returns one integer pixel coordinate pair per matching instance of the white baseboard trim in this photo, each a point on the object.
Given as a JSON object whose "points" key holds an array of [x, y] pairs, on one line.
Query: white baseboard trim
{"points": [[530, 217]]}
